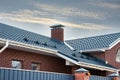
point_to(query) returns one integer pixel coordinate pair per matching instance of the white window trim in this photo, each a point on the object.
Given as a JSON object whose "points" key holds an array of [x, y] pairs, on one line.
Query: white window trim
{"points": [[19, 64], [35, 64]]}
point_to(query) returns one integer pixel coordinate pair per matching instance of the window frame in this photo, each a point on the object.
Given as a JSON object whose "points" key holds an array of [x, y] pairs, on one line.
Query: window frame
{"points": [[35, 64], [21, 64]]}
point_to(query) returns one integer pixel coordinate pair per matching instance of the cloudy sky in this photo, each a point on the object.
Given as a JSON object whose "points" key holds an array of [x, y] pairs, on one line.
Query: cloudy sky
{"points": [[82, 18]]}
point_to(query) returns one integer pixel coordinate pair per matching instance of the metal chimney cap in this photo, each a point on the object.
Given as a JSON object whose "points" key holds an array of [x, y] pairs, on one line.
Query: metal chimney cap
{"points": [[114, 75], [81, 70], [57, 26]]}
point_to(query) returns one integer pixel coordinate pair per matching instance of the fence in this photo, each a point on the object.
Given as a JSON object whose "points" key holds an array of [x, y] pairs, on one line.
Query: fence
{"points": [[93, 77], [14, 74]]}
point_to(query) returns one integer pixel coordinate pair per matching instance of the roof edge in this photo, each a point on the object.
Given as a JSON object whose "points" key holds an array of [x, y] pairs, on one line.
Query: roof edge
{"points": [[98, 67], [87, 64], [94, 50], [14, 43], [103, 49], [114, 43]]}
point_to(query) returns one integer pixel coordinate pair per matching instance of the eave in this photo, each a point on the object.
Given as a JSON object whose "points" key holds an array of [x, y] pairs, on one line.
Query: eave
{"points": [[93, 50], [103, 49], [88, 65], [27, 47]]}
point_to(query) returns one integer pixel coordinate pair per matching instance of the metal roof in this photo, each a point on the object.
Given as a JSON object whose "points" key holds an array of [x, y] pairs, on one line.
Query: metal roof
{"points": [[26, 37], [96, 42]]}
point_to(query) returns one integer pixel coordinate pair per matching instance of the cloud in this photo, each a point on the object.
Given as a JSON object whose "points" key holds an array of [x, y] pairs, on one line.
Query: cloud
{"points": [[107, 5], [32, 17], [110, 5], [69, 11]]}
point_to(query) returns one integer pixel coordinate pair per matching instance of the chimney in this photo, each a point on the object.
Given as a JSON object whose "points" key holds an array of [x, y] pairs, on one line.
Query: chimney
{"points": [[57, 32]]}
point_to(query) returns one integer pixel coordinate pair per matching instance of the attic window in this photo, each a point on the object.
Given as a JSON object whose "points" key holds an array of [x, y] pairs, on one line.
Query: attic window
{"points": [[37, 42], [74, 55], [84, 57], [45, 44], [25, 39], [88, 58], [54, 46], [118, 56]]}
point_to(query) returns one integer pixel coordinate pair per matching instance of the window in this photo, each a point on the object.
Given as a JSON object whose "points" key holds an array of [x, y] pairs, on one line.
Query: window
{"points": [[35, 66], [16, 64], [118, 56]]}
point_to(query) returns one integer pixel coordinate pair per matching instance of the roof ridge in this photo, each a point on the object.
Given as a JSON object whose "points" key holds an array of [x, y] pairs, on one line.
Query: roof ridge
{"points": [[94, 36]]}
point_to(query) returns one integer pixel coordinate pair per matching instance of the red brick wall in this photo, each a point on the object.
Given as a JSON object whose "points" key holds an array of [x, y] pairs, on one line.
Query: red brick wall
{"points": [[57, 34], [99, 55], [47, 63], [110, 56]]}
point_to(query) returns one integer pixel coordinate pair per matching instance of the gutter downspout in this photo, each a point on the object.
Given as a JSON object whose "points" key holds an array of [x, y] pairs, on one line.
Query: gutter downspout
{"points": [[6, 45]]}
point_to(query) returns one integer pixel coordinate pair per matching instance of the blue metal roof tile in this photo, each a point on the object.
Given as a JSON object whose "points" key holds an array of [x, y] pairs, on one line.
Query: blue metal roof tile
{"points": [[97, 42]]}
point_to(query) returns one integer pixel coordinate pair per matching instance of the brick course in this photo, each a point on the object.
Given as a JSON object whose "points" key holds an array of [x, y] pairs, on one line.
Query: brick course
{"points": [[99, 55], [109, 56]]}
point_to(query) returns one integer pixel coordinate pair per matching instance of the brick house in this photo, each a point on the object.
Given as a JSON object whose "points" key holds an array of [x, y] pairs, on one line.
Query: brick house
{"points": [[22, 49]]}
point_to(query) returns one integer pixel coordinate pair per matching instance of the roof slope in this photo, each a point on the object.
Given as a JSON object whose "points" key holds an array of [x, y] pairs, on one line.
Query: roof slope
{"points": [[26, 37], [97, 42]]}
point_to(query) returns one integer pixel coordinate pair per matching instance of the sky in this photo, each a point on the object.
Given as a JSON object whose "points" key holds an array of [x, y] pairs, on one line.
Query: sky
{"points": [[81, 18]]}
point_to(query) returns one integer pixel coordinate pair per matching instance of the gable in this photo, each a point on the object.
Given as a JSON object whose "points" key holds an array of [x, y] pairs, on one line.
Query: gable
{"points": [[111, 55]]}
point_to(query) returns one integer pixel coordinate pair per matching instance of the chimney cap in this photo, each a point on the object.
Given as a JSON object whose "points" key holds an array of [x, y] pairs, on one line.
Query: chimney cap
{"points": [[57, 26]]}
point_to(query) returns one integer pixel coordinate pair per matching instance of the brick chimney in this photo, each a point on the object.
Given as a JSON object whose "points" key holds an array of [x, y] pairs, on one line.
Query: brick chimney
{"points": [[57, 32]]}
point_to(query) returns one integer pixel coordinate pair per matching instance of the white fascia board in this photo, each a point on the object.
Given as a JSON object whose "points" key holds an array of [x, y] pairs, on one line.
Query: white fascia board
{"points": [[98, 67], [68, 46], [114, 43], [118, 70], [32, 47], [93, 50], [14, 43]]}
